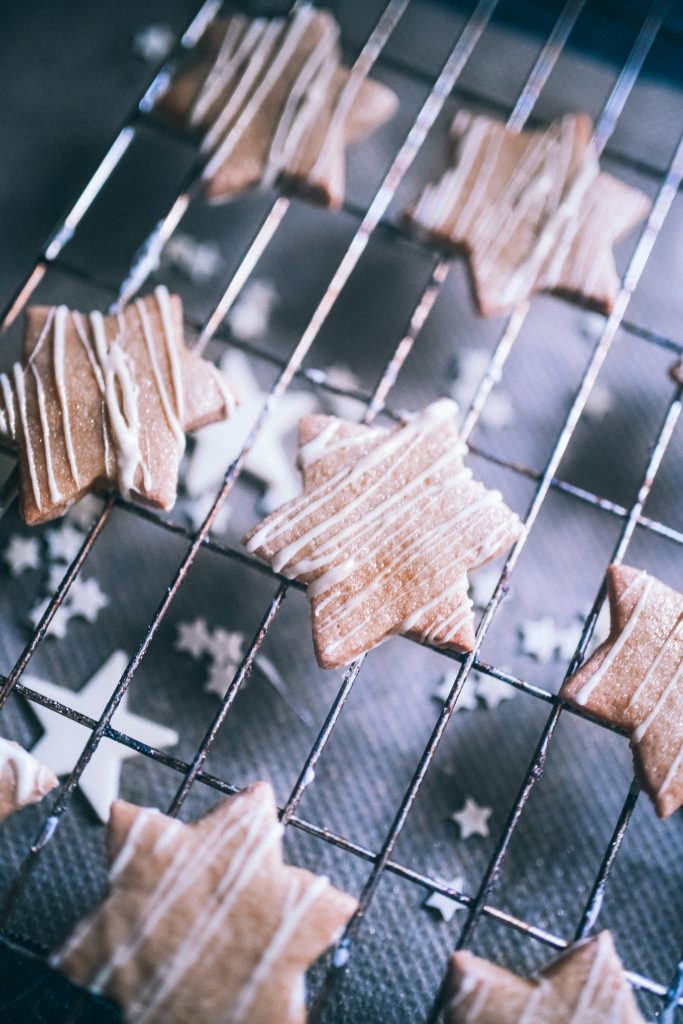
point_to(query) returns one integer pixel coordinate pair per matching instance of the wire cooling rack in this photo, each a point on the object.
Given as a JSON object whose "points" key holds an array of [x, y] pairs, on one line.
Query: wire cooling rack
{"points": [[383, 862]]}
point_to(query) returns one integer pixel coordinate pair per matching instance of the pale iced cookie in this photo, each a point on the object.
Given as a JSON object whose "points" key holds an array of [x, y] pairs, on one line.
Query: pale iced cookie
{"points": [[23, 779], [532, 210], [389, 524], [275, 102], [585, 985], [104, 402], [205, 922], [635, 680]]}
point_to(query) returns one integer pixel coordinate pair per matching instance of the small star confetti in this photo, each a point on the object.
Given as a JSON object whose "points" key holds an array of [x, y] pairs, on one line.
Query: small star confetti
{"points": [[85, 599], [471, 367], [446, 905], [194, 638], [196, 260], [225, 647], [64, 543], [467, 700], [493, 691], [249, 318], [482, 584], [153, 42], [472, 819], [84, 513], [543, 640], [22, 553]]}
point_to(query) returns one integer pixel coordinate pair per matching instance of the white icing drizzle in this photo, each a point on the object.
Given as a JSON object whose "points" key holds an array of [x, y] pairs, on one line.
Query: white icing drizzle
{"points": [[640, 731], [296, 907], [20, 391], [8, 423], [170, 413], [542, 200], [255, 51], [535, 1001], [172, 350], [55, 493], [58, 342], [229, 400], [29, 775], [369, 516], [212, 919], [591, 984], [224, 65], [302, 105], [583, 695], [672, 772], [661, 653], [296, 28], [254, 58], [120, 394]]}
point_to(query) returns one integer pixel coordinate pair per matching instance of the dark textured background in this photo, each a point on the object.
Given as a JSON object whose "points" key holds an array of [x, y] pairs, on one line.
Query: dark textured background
{"points": [[67, 77]]}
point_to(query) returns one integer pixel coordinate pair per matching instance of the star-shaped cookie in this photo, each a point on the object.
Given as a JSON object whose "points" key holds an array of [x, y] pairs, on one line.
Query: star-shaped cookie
{"points": [[275, 102], [23, 779], [635, 679], [532, 210], [104, 401], [388, 526], [205, 922], [585, 985]]}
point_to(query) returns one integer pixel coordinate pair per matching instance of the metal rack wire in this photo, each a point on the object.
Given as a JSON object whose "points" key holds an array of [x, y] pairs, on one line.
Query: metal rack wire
{"points": [[477, 904]]}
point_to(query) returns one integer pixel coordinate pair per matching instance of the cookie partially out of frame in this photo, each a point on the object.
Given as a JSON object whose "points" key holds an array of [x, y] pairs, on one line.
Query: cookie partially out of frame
{"points": [[532, 211], [388, 526], [635, 679], [275, 102], [104, 402], [585, 985], [23, 779], [205, 923]]}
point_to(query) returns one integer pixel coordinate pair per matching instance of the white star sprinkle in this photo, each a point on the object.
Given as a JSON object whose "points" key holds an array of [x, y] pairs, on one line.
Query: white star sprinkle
{"points": [[85, 599], [545, 641], [196, 510], [467, 700], [472, 366], [153, 43], [226, 648], [198, 261], [60, 621], [22, 553], [84, 513], [64, 543], [472, 819], [493, 691], [538, 638], [271, 460], [194, 638], [249, 318], [64, 739], [445, 905], [600, 402], [482, 584]]}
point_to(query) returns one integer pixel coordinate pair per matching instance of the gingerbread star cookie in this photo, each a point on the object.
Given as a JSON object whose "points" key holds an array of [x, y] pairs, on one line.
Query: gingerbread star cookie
{"points": [[585, 985], [205, 922], [104, 402], [23, 779], [635, 679], [275, 102], [388, 526], [532, 210]]}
